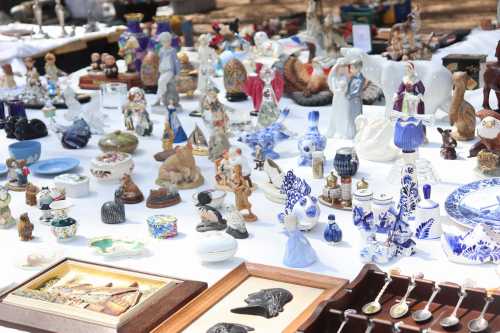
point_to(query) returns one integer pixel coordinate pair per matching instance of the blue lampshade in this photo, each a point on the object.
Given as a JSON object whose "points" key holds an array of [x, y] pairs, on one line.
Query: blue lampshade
{"points": [[409, 134]]}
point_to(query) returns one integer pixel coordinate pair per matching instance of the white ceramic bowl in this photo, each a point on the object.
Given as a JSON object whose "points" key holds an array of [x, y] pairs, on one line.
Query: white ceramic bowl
{"points": [[111, 166], [215, 246], [75, 186]]}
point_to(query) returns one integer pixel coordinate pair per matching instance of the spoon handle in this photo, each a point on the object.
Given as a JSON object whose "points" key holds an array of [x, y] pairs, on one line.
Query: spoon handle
{"points": [[381, 292], [489, 300], [369, 327], [341, 327], [460, 300], [431, 299], [411, 286]]}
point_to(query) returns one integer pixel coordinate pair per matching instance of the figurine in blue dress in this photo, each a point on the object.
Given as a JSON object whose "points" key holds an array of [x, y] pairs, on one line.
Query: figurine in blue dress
{"points": [[299, 252], [175, 124]]}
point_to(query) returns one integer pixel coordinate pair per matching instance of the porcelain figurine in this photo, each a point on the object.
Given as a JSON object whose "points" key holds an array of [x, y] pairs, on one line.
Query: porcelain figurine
{"points": [[331, 195], [259, 158], [180, 169], [7, 81], [341, 124], [235, 76], [102, 65], [31, 193], [150, 71], [387, 75], [312, 141], [223, 171], [95, 62], [131, 194], [333, 39], [462, 114], [265, 88], [52, 73], [113, 212], [163, 197], [198, 141], [218, 143], [77, 135], [449, 144], [242, 190], [476, 246], [346, 165], [211, 218], [187, 81], [235, 223], [110, 68], [265, 47], [38, 13], [230, 327], [169, 69], [135, 114], [206, 70], [374, 139], [179, 135], [355, 88], [381, 206], [427, 217], [6, 219], [135, 31], [408, 136], [59, 10], [44, 201], [25, 228], [214, 112], [129, 51], [298, 252], [409, 97], [332, 233], [492, 80], [17, 176], [119, 141], [236, 158], [272, 186]]}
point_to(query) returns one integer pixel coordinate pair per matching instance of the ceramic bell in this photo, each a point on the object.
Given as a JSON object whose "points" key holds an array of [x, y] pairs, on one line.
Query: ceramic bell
{"points": [[332, 233], [298, 252], [427, 217]]}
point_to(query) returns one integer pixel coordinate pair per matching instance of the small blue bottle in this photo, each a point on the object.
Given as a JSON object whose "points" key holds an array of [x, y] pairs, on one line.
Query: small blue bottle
{"points": [[332, 233]]}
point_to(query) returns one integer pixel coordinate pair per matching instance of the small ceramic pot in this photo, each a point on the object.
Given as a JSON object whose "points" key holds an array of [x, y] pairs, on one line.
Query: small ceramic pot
{"points": [[217, 196], [162, 226], [64, 229], [111, 166], [75, 186], [215, 246], [26, 150], [119, 141], [346, 162]]}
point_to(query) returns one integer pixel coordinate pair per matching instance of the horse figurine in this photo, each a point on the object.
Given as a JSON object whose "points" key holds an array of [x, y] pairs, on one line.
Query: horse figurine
{"points": [[113, 212], [492, 80]]}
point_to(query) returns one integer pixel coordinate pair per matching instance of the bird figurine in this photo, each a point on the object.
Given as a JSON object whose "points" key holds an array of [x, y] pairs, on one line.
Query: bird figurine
{"points": [[211, 218]]}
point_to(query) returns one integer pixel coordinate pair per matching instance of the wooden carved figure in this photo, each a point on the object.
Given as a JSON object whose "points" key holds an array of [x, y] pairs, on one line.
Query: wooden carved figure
{"points": [[25, 228], [448, 147], [461, 114], [241, 193], [492, 80]]}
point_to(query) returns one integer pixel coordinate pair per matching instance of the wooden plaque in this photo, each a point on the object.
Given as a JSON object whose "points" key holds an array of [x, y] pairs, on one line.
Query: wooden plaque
{"points": [[202, 311], [159, 298]]}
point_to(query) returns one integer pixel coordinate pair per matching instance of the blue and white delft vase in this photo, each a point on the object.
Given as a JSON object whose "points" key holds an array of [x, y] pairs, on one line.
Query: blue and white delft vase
{"points": [[332, 233], [477, 246], [312, 141], [408, 193], [383, 219], [427, 217]]}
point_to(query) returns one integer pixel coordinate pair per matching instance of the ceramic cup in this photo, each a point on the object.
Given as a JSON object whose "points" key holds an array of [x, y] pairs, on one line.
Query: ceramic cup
{"points": [[346, 162], [29, 150], [64, 229]]}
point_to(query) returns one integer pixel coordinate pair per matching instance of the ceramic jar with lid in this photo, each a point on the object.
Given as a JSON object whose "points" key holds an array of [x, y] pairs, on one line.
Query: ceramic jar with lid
{"points": [[119, 141], [162, 226], [427, 217], [382, 203], [215, 246], [75, 186], [111, 166]]}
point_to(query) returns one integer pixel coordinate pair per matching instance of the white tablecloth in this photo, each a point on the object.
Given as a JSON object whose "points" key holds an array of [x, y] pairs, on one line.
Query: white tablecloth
{"points": [[266, 244]]}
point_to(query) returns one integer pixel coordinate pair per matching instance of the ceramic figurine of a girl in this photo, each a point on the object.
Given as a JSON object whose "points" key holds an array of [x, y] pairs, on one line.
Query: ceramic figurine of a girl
{"points": [[6, 219], [208, 59], [242, 191], [216, 116], [169, 68], [410, 94], [128, 52], [17, 174], [44, 201]]}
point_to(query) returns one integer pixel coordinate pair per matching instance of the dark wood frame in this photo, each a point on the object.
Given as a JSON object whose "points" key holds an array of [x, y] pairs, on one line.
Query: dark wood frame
{"points": [[197, 307], [144, 320]]}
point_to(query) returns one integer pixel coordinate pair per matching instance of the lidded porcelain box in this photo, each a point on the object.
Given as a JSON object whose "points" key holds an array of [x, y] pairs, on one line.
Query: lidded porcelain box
{"points": [[75, 186], [111, 166], [214, 246]]}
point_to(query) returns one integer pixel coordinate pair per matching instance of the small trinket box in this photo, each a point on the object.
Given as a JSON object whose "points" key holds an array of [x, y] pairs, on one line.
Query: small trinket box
{"points": [[215, 246], [75, 186], [162, 226]]}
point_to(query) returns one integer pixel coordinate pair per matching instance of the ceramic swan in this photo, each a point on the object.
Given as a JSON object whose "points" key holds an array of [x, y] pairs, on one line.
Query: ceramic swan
{"points": [[387, 74], [374, 139]]}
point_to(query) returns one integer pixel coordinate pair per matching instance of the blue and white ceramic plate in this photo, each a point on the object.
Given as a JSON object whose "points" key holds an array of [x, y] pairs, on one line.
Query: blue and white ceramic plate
{"points": [[477, 202], [3, 169], [54, 166]]}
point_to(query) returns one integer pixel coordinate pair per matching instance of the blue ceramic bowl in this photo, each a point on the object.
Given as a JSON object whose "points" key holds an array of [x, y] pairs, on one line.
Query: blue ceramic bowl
{"points": [[29, 150]]}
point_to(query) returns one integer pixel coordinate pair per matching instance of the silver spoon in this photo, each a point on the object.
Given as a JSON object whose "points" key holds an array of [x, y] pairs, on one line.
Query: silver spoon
{"points": [[375, 306], [452, 319], [346, 319], [401, 308], [369, 326], [425, 314], [480, 324]]}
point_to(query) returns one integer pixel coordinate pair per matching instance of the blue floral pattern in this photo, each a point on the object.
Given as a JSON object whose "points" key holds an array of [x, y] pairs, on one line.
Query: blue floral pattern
{"points": [[424, 229], [481, 251], [408, 195]]}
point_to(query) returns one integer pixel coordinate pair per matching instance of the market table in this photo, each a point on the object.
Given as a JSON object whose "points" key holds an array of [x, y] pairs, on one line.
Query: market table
{"points": [[266, 244]]}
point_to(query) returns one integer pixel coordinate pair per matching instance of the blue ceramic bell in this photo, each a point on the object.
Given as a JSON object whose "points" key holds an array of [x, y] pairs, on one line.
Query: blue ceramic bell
{"points": [[312, 141], [332, 233], [77, 135], [299, 252]]}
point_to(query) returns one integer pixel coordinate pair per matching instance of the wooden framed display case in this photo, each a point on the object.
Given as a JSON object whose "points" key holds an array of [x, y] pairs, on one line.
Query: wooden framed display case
{"points": [[214, 305], [79, 296]]}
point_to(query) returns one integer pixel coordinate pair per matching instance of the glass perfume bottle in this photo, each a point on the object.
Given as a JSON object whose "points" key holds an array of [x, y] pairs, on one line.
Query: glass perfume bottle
{"points": [[269, 110]]}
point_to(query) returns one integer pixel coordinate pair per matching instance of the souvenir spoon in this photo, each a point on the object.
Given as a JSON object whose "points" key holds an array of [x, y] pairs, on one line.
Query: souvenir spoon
{"points": [[480, 324], [425, 314], [346, 319], [452, 319], [401, 308], [369, 326], [375, 306]]}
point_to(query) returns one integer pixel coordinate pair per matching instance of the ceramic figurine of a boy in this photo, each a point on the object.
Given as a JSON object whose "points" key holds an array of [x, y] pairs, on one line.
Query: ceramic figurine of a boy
{"points": [[52, 73], [17, 174], [44, 201], [110, 67], [169, 68], [242, 191], [95, 62], [6, 219]]}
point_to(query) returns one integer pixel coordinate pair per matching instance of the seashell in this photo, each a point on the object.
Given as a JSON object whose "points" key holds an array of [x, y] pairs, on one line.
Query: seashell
{"points": [[77, 135]]}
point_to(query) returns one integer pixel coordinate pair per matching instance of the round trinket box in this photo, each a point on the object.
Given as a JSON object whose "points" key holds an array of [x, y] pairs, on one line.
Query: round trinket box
{"points": [[162, 226], [64, 229], [111, 166], [75, 186], [119, 141], [215, 246]]}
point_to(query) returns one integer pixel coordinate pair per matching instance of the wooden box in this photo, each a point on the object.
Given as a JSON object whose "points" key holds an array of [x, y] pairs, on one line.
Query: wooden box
{"points": [[41, 303], [473, 64], [213, 306]]}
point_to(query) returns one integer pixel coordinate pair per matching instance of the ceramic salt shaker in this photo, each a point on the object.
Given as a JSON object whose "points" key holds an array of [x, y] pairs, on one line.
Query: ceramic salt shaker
{"points": [[382, 203], [332, 233], [427, 217]]}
